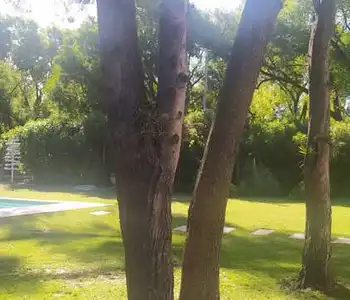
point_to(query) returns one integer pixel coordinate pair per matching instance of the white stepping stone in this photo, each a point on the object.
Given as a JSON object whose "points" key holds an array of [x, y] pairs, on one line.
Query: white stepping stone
{"points": [[183, 228], [85, 188], [342, 240], [229, 229], [100, 213], [262, 232], [298, 236]]}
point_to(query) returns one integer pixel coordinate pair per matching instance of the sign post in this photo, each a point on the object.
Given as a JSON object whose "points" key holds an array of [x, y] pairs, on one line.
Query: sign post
{"points": [[12, 157]]}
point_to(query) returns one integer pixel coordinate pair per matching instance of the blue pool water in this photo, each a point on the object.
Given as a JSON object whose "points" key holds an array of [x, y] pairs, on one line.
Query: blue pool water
{"points": [[6, 203]]}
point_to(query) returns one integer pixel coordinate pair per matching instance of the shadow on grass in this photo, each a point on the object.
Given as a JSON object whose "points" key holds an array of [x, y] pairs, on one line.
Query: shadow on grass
{"points": [[275, 256], [272, 254], [345, 202], [49, 236], [8, 264], [26, 227], [13, 279], [16, 281], [95, 253], [100, 251], [339, 292]]}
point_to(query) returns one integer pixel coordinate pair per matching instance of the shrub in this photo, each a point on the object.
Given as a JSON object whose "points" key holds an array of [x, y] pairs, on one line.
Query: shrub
{"points": [[62, 150], [340, 159], [261, 183], [298, 192], [277, 148]]}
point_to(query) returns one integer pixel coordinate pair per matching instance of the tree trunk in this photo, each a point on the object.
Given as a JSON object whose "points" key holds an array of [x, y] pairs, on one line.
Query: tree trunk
{"points": [[146, 139], [315, 271], [200, 274], [171, 100], [124, 91]]}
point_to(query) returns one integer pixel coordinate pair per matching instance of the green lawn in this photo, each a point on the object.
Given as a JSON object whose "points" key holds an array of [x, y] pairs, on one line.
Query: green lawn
{"points": [[75, 255]]}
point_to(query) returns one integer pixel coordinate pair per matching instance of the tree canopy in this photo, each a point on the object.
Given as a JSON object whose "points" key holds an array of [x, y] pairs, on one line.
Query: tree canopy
{"points": [[50, 75]]}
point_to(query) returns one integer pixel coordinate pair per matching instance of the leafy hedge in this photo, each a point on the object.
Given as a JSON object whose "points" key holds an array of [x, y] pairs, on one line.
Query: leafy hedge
{"points": [[281, 150], [340, 160], [64, 150], [61, 149]]}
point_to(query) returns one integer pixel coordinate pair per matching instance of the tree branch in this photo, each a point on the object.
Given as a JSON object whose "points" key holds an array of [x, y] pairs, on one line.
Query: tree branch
{"points": [[274, 77]]}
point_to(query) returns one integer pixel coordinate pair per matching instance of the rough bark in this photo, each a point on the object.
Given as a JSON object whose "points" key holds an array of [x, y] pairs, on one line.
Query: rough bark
{"points": [[200, 276], [316, 271], [171, 105], [146, 138]]}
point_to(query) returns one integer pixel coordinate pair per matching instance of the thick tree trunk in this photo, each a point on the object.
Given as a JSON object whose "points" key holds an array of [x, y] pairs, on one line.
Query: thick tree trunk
{"points": [[200, 276], [171, 100], [315, 271], [146, 139], [124, 93]]}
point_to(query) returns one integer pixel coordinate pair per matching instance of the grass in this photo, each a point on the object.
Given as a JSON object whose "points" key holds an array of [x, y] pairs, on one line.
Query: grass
{"points": [[75, 255]]}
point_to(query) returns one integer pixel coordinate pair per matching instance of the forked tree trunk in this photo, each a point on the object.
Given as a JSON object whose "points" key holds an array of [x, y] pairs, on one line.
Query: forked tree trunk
{"points": [[200, 276], [146, 139], [315, 271]]}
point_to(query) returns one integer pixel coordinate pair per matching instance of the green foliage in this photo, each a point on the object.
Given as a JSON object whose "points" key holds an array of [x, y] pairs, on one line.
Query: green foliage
{"points": [[275, 149], [51, 100], [298, 192], [9, 93], [340, 163], [51, 95], [197, 126], [61, 150], [276, 130], [260, 183]]}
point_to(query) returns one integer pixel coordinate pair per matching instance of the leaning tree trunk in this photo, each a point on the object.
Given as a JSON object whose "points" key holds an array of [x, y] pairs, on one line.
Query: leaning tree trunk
{"points": [[171, 100], [146, 138], [315, 271], [200, 276]]}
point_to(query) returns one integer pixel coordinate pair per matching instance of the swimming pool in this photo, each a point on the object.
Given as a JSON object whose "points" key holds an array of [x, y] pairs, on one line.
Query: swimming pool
{"points": [[5, 203], [11, 207]]}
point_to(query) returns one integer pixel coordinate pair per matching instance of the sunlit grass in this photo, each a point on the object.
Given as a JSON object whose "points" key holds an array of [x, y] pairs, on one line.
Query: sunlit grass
{"points": [[75, 255]]}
